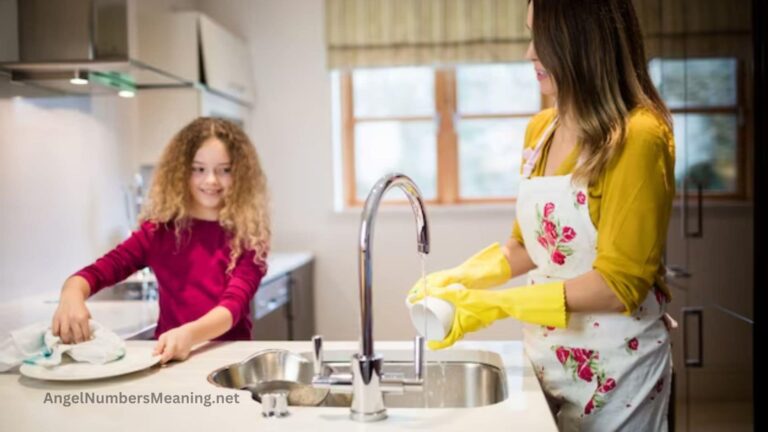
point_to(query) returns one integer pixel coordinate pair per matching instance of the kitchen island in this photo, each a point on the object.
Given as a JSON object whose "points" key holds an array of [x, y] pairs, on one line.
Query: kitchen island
{"points": [[34, 405]]}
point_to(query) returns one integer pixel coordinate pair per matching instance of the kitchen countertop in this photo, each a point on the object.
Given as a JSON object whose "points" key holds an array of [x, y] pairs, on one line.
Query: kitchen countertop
{"points": [[279, 264], [125, 317], [525, 408]]}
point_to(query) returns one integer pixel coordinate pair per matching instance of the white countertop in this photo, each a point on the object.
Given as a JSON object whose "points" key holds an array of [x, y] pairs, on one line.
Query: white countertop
{"points": [[281, 263], [525, 408]]}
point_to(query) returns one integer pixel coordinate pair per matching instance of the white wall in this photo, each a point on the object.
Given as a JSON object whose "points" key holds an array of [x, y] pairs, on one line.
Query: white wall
{"points": [[63, 162], [291, 128]]}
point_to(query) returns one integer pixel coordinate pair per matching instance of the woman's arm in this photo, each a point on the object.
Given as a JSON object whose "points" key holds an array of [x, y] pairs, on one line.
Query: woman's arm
{"points": [[586, 293], [519, 260], [590, 293], [636, 199]]}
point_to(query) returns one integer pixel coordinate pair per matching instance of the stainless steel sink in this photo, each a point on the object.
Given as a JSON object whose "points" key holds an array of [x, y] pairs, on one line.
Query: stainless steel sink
{"points": [[448, 383]]}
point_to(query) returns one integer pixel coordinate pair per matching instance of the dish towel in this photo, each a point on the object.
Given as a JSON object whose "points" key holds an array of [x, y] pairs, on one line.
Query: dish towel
{"points": [[36, 344]]}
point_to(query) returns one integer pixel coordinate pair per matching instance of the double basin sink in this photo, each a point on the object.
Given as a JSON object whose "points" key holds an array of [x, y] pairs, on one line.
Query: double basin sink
{"points": [[453, 379]]}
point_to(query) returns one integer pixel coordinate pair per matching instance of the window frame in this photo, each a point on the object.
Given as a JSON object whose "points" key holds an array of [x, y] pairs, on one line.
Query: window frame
{"points": [[446, 140], [739, 111]]}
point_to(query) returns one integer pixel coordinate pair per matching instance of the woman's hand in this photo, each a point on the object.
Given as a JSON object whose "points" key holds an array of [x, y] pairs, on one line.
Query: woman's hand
{"points": [[70, 321], [432, 281], [175, 344], [488, 268]]}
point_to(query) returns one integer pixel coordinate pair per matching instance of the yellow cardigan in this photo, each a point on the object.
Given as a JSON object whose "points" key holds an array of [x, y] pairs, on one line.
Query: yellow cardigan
{"points": [[630, 204]]}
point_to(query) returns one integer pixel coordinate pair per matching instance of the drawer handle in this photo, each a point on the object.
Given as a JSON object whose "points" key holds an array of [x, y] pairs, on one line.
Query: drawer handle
{"points": [[698, 362]]}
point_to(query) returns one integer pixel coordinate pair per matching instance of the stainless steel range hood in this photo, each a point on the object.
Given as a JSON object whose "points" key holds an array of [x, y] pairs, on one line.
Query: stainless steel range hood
{"points": [[81, 47]]}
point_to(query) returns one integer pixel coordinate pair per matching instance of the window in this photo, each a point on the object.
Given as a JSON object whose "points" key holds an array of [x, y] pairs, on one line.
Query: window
{"points": [[703, 95], [494, 105], [457, 132]]}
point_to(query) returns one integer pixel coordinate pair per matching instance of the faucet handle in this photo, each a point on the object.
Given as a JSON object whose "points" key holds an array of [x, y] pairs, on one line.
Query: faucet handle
{"points": [[415, 384], [418, 357], [317, 354]]}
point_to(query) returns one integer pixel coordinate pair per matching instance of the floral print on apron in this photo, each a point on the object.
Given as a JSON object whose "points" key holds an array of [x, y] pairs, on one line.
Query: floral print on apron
{"points": [[605, 371]]}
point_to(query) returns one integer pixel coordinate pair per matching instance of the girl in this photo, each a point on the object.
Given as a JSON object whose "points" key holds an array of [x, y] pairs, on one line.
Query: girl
{"points": [[205, 234], [592, 216]]}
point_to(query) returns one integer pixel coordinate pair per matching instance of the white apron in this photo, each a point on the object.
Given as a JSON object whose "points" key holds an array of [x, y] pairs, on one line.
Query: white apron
{"points": [[605, 371]]}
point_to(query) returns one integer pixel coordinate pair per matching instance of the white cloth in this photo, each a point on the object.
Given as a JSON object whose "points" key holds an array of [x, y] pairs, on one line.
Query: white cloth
{"points": [[36, 344], [605, 371]]}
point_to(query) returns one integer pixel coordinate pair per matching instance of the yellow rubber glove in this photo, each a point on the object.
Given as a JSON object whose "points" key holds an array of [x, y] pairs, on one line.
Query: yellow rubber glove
{"points": [[485, 269], [537, 304]]}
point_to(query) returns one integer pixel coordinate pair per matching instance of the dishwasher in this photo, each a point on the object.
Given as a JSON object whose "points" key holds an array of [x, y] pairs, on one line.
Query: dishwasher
{"points": [[271, 311]]}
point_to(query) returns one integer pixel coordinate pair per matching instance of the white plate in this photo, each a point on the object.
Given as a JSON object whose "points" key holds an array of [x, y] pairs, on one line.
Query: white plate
{"points": [[135, 359]]}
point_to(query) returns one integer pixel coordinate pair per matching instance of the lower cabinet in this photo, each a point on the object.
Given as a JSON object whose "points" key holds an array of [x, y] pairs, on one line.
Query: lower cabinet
{"points": [[270, 310], [713, 344], [283, 307]]}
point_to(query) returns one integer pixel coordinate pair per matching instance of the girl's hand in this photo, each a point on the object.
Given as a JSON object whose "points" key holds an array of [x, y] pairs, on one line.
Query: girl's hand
{"points": [[175, 344], [70, 321]]}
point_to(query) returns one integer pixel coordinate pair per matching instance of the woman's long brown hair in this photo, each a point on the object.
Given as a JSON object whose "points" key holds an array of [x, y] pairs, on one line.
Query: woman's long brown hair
{"points": [[593, 49]]}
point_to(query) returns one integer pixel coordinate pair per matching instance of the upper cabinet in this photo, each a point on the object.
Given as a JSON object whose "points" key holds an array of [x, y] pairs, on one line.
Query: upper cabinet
{"points": [[167, 40], [192, 46], [117, 47], [226, 63]]}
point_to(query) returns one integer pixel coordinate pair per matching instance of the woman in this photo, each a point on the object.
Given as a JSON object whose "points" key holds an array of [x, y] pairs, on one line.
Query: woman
{"points": [[592, 216]]}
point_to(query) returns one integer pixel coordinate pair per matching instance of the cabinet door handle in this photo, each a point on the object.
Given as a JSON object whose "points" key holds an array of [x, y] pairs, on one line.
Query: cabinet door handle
{"points": [[697, 362], [699, 211], [672, 271], [677, 272]]}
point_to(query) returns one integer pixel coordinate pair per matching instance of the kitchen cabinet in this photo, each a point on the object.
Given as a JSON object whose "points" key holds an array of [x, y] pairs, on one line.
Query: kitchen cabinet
{"points": [[225, 60], [192, 46], [702, 62], [283, 307], [167, 40], [270, 310], [712, 347], [302, 302]]}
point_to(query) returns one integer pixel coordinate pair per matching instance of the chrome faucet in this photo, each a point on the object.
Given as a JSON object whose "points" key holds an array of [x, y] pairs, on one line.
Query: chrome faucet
{"points": [[367, 382]]}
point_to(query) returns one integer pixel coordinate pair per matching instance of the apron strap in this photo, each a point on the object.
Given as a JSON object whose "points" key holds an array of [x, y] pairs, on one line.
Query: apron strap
{"points": [[530, 162]]}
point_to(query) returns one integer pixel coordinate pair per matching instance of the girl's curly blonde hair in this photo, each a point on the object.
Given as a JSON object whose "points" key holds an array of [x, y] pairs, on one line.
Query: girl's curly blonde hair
{"points": [[244, 216]]}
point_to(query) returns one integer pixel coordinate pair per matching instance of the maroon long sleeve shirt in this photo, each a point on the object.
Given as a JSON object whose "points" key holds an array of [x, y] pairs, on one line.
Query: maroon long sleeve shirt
{"points": [[191, 274]]}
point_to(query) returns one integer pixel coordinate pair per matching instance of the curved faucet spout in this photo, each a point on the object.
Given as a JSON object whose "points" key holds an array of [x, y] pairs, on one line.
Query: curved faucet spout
{"points": [[368, 382], [366, 241]]}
